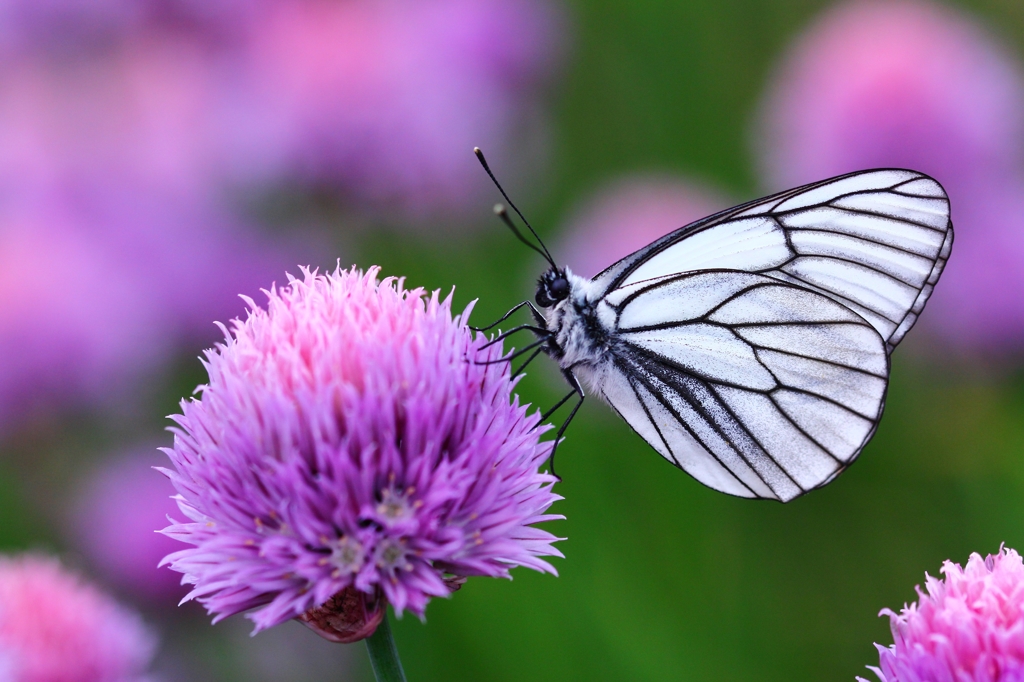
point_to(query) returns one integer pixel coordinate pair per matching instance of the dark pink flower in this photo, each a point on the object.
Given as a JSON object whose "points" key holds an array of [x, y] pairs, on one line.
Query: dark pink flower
{"points": [[917, 85], [967, 627], [349, 438], [56, 628], [630, 213]]}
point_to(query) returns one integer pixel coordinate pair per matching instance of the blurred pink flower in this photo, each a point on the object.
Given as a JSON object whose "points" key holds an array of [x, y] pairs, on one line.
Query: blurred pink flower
{"points": [[62, 26], [627, 214], [152, 112], [385, 99], [109, 185], [968, 627], [97, 291], [904, 83], [917, 85], [979, 305], [113, 520], [56, 628], [73, 324], [71, 28]]}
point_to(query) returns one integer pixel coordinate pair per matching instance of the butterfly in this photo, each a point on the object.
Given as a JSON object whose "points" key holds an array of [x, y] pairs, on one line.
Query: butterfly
{"points": [[752, 348]]}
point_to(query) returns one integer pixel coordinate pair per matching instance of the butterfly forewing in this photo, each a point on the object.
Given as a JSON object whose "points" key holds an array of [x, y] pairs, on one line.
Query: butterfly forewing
{"points": [[875, 241], [755, 387]]}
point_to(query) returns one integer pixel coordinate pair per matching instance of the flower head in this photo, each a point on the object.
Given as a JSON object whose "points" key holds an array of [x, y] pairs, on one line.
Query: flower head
{"points": [[968, 627], [53, 626], [351, 437]]}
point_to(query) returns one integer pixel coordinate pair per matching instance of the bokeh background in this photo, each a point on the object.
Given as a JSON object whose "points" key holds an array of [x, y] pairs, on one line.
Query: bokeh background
{"points": [[160, 157]]}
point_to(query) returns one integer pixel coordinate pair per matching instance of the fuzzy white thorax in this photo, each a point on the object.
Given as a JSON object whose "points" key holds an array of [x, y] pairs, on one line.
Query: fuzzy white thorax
{"points": [[583, 326]]}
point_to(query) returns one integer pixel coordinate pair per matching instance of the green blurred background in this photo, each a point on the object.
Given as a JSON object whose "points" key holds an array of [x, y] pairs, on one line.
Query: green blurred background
{"points": [[663, 578]]}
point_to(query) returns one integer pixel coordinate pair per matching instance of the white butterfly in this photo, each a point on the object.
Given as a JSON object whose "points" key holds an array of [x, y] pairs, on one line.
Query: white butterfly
{"points": [[751, 348]]}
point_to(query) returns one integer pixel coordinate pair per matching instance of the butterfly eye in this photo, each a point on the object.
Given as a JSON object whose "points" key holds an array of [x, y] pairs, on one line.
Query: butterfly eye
{"points": [[559, 289], [552, 288]]}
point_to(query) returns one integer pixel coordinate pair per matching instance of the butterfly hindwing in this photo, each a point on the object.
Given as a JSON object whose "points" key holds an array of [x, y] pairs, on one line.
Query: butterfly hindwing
{"points": [[875, 241], [755, 386]]}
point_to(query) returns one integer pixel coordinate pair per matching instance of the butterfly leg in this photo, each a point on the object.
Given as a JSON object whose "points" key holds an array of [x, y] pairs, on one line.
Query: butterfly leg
{"points": [[528, 360], [504, 317], [539, 331], [576, 390], [517, 354], [538, 318]]}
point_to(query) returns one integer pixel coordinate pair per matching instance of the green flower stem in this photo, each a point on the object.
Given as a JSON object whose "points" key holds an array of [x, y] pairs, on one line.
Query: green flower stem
{"points": [[384, 654]]}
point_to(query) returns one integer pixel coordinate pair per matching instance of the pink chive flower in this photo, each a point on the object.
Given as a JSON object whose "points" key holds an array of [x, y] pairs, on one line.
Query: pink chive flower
{"points": [[918, 85], [968, 627], [383, 100], [351, 444], [629, 213], [113, 519], [56, 628]]}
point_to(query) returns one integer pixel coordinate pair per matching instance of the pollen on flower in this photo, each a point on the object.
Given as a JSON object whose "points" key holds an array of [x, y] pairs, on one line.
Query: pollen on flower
{"points": [[347, 557], [394, 507], [348, 454], [391, 556]]}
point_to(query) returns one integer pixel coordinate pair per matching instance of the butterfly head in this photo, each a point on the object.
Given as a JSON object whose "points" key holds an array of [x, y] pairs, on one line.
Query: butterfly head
{"points": [[552, 288]]}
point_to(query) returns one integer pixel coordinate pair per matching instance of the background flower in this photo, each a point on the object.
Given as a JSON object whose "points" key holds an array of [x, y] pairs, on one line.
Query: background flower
{"points": [[70, 325], [969, 626], [113, 522], [53, 626], [628, 213], [161, 132], [352, 435], [118, 244], [384, 101], [917, 85]]}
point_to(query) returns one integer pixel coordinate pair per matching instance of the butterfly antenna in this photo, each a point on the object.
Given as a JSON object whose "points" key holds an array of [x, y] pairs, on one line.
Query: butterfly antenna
{"points": [[499, 210], [505, 217]]}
